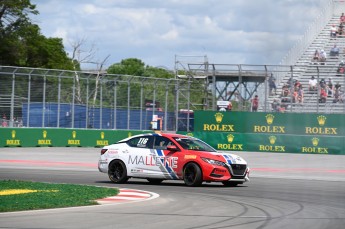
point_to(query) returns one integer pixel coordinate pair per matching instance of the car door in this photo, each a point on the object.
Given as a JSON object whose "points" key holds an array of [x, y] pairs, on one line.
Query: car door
{"points": [[139, 160], [166, 161]]}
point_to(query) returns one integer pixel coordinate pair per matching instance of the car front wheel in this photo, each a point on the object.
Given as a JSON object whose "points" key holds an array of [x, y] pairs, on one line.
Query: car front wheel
{"points": [[117, 172], [192, 175]]}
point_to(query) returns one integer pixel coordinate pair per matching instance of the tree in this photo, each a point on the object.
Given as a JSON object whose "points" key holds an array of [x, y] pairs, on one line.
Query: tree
{"points": [[15, 14], [136, 67], [130, 66], [22, 43], [81, 56]]}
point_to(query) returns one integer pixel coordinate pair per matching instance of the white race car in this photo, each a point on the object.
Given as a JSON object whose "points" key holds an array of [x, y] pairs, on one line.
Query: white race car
{"points": [[158, 157]]}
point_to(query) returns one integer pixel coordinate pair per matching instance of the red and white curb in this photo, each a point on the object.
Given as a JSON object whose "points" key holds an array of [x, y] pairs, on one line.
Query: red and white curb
{"points": [[129, 195]]}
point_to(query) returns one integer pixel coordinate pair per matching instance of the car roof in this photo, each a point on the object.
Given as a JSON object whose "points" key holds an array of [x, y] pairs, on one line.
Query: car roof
{"points": [[156, 134]]}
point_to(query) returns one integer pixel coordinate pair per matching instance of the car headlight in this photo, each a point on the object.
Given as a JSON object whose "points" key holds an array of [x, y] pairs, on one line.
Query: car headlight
{"points": [[213, 162]]}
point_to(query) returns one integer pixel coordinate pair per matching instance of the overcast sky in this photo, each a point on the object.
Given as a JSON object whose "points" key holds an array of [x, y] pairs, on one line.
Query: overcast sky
{"points": [[226, 31]]}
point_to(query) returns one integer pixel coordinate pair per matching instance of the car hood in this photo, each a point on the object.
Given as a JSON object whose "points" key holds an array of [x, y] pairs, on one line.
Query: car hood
{"points": [[230, 158], [221, 156]]}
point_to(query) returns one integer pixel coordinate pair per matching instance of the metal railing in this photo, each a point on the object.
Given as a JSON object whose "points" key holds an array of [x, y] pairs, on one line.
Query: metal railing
{"points": [[53, 98]]}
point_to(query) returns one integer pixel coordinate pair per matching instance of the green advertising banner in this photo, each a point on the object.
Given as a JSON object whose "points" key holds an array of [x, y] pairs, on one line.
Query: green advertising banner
{"points": [[271, 132], [267, 123], [272, 143], [32, 137]]}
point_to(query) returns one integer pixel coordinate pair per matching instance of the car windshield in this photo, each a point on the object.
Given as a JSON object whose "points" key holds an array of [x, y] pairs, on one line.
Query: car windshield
{"points": [[194, 144]]}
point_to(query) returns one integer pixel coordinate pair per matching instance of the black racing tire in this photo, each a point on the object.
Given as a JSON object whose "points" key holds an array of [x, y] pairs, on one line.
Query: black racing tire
{"points": [[192, 175], [231, 183], [154, 180], [117, 172]]}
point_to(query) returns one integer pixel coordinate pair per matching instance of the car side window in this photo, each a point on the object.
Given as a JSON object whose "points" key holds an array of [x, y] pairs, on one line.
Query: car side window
{"points": [[162, 142], [141, 142]]}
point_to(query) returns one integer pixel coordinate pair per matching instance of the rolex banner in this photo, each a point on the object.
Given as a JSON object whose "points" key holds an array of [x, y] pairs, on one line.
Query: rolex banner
{"points": [[30, 137], [274, 143], [266, 123], [272, 132]]}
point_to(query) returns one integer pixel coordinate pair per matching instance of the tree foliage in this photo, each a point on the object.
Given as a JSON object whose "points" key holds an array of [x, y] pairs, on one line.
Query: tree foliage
{"points": [[22, 43], [136, 67], [130, 66]]}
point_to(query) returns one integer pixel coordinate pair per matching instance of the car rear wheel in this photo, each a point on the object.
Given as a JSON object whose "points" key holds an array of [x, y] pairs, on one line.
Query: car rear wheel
{"points": [[117, 172], [155, 181], [231, 183], [192, 175]]}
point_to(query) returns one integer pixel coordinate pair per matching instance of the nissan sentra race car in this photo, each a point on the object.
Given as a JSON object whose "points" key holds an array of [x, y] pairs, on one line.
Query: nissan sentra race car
{"points": [[158, 157]]}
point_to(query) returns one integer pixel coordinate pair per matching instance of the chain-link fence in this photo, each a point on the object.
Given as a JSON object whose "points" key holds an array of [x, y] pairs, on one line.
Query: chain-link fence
{"points": [[56, 98]]}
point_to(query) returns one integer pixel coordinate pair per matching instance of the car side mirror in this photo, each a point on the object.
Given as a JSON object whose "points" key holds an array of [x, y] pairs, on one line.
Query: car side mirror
{"points": [[172, 148]]}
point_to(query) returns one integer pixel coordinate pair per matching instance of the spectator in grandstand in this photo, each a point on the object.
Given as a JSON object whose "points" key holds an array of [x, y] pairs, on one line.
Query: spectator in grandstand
{"points": [[4, 122], [340, 30], [337, 86], [316, 56], [255, 103], [285, 90], [275, 105], [323, 83], [342, 19], [297, 85], [312, 84], [300, 94], [333, 31], [323, 56], [272, 84], [342, 64], [290, 82], [294, 95], [334, 51], [341, 68], [330, 87], [323, 95], [229, 108], [338, 96]]}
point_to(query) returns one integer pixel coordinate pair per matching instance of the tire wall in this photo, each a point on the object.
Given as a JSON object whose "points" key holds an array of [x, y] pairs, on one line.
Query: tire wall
{"points": [[271, 132]]}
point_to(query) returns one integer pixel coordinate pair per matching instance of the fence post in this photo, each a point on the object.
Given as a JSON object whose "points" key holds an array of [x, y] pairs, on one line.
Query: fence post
{"points": [[44, 100], [28, 104], [12, 100]]}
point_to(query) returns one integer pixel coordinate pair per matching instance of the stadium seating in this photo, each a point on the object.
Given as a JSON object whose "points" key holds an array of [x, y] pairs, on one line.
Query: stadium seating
{"points": [[305, 68]]}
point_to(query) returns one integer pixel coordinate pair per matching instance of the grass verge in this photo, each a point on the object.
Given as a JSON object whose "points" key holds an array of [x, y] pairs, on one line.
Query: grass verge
{"points": [[26, 195]]}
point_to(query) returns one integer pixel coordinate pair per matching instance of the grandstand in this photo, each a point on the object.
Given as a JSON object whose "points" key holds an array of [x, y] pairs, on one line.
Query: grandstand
{"points": [[241, 82], [305, 68]]}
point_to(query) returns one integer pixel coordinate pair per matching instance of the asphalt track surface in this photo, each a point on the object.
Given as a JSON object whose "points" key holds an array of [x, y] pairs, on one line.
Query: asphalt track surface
{"points": [[285, 191]]}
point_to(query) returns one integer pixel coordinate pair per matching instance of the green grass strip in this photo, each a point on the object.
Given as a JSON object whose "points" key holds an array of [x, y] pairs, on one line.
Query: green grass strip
{"points": [[26, 195]]}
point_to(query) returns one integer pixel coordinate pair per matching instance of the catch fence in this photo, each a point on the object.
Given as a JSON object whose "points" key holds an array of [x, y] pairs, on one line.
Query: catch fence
{"points": [[66, 99]]}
